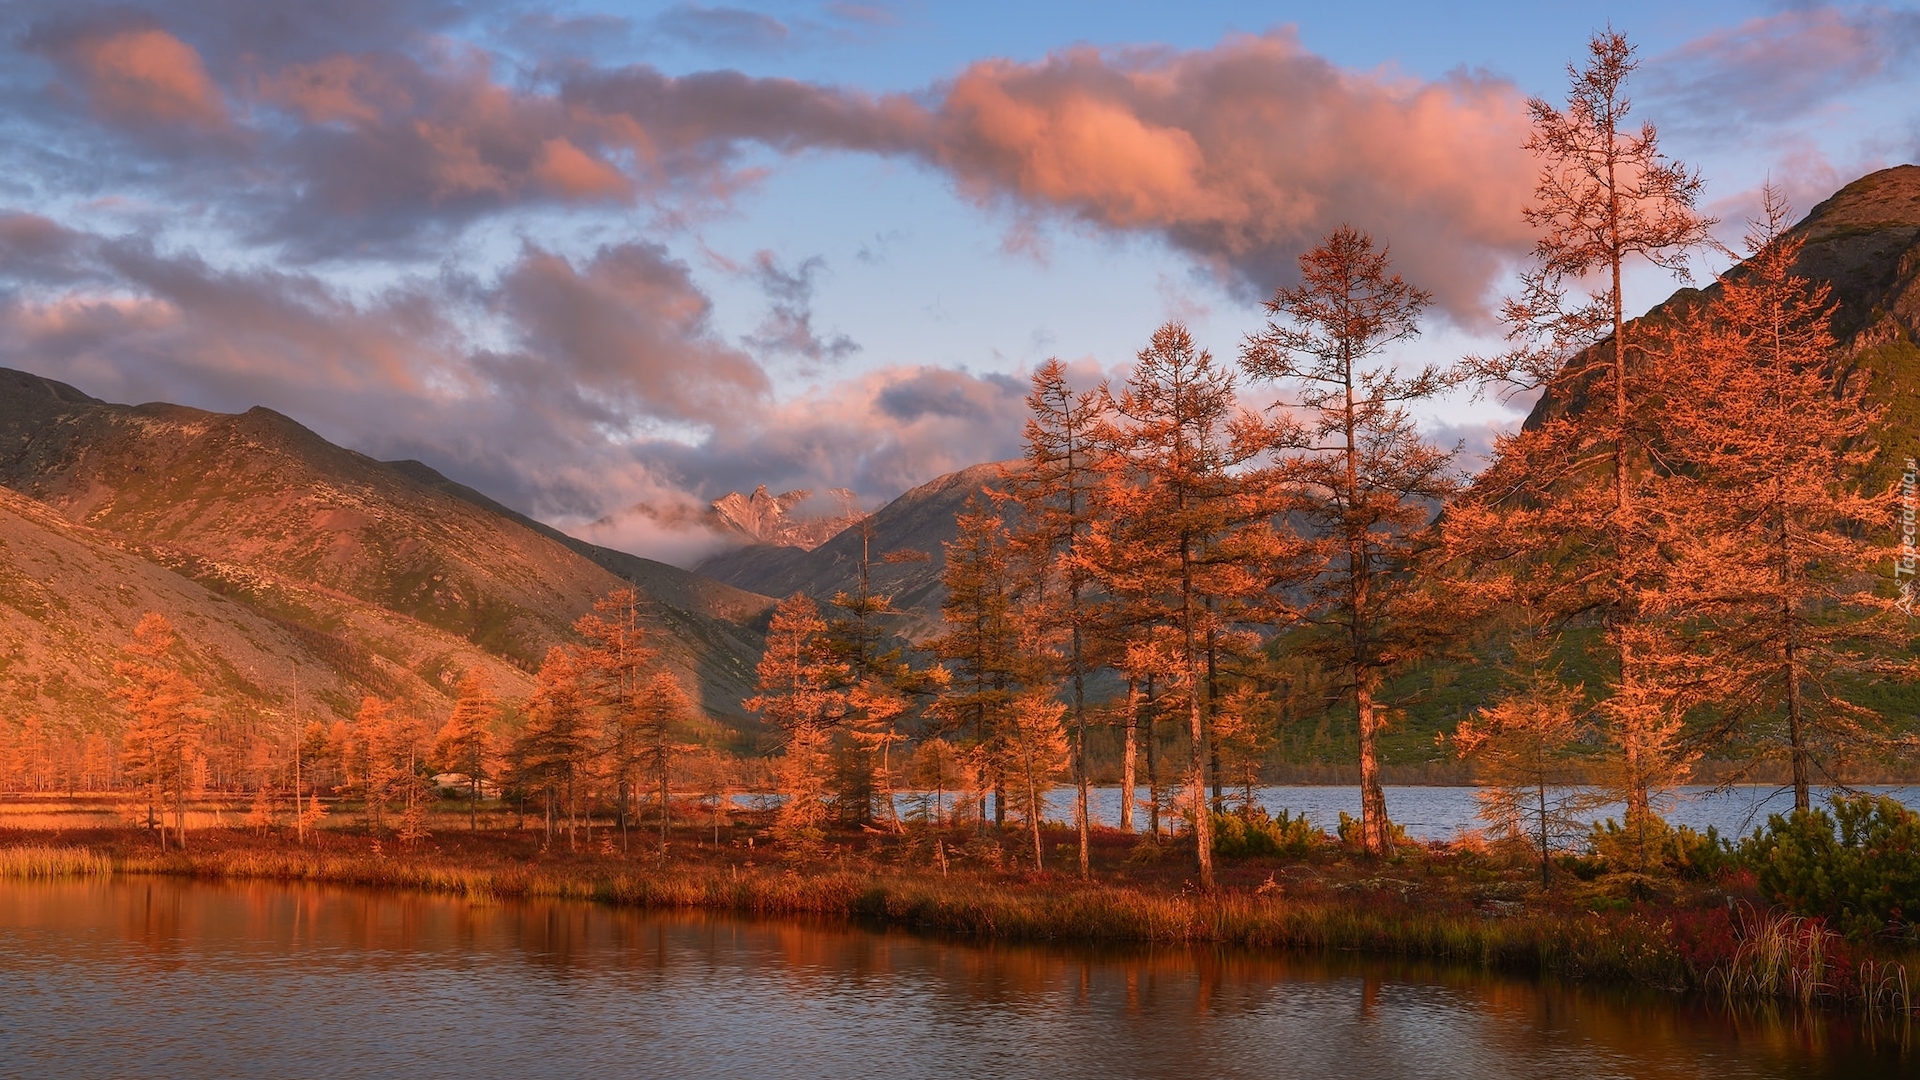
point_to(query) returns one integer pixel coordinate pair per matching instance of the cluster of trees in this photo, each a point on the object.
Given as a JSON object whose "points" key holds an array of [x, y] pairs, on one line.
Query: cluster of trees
{"points": [[606, 730], [1686, 521]]}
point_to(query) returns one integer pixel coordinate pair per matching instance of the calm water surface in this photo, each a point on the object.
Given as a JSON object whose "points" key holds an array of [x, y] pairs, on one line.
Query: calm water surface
{"points": [[164, 978], [1439, 813]]}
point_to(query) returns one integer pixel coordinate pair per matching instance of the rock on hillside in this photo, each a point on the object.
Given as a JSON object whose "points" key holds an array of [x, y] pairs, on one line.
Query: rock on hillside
{"points": [[264, 511]]}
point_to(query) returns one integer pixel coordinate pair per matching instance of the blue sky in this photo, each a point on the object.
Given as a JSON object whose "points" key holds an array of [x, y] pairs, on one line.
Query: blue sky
{"points": [[589, 256]]}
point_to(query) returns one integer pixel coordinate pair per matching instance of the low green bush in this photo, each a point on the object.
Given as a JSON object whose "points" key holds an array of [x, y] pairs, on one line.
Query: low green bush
{"points": [[1349, 831], [1646, 844], [1251, 833], [1859, 867]]}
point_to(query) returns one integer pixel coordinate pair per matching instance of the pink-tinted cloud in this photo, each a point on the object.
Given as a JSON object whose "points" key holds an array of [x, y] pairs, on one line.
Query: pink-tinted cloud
{"points": [[1244, 154], [138, 75], [1239, 156]]}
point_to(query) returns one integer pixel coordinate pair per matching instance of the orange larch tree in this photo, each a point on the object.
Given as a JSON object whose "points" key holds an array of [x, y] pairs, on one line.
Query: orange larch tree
{"points": [[1054, 489], [554, 751], [617, 665], [1774, 563], [1571, 490], [1177, 531], [800, 693], [1364, 484], [465, 742], [167, 718]]}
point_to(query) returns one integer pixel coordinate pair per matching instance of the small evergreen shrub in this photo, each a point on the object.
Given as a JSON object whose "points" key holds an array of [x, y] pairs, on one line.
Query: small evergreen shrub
{"points": [[1350, 835], [1251, 833], [1646, 844], [1859, 867]]}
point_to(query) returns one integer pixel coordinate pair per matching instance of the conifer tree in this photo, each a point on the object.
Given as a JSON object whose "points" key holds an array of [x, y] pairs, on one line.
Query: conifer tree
{"points": [[167, 719], [799, 693], [465, 743], [1532, 787], [876, 684], [1571, 490], [554, 751], [1774, 568], [1365, 484], [1177, 531], [983, 636], [1031, 751], [391, 744], [617, 666], [1054, 487], [659, 714]]}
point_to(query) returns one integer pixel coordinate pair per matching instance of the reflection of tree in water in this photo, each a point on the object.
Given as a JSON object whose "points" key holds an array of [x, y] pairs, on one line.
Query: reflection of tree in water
{"points": [[712, 994]]}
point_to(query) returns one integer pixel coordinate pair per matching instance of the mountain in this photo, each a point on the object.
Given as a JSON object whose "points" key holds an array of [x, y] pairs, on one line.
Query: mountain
{"points": [[390, 560], [767, 519], [921, 520], [1863, 241], [70, 597]]}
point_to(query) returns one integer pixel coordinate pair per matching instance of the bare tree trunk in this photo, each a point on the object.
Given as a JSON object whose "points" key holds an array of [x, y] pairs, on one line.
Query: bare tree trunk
{"points": [[1153, 767], [1376, 831], [1127, 777]]}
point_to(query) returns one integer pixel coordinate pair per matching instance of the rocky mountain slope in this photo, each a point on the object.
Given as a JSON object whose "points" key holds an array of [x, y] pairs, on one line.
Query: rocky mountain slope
{"points": [[920, 520], [387, 559]]}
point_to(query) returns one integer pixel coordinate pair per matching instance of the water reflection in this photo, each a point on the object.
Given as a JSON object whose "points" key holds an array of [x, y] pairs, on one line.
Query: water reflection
{"points": [[171, 978]]}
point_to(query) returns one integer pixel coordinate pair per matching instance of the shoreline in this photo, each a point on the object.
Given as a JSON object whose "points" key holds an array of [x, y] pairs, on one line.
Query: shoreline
{"points": [[1697, 941]]}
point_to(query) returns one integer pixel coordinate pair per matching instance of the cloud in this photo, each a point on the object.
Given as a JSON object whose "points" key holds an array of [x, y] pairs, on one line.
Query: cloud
{"points": [[568, 387], [624, 336], [135, 76], [788, 327], [1245, 154], [721, 27], [1776, 68]]}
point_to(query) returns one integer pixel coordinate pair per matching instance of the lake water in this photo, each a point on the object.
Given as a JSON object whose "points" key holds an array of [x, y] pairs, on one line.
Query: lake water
{"points": [[165, 978], [1439, 813]]}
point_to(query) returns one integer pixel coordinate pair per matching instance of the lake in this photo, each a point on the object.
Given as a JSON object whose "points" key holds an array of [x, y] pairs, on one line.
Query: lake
{"points": [[1440, 813], [166, 978]]}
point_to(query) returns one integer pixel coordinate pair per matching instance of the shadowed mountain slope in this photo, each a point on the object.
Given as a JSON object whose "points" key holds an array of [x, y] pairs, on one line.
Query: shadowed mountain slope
{"points": [[1864, 241], [260, 509]]}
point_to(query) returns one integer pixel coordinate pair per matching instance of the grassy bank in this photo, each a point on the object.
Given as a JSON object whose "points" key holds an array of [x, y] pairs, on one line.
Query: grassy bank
{"points": [[1438, 902]]}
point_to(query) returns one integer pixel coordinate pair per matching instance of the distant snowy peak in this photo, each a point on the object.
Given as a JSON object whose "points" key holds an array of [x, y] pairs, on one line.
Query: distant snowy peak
{"points": [[768, 519]]}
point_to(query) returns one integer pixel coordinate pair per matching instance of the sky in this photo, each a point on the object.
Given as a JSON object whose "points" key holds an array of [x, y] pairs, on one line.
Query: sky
{"points": [[599, 256]]}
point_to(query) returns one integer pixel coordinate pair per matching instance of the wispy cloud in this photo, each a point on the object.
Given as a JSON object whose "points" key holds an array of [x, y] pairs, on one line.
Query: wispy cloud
{"points": [[1777, 68]]}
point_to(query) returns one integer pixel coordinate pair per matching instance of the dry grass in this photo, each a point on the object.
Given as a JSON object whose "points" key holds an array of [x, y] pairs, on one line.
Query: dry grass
{"points": [[45, 861]]}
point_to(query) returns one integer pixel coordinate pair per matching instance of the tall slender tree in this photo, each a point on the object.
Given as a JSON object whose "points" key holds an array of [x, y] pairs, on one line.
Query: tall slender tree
{"points": [[465, 743], [800, 693], [1767, 516], [1571, 487], [1365, 484], [554, 750], [1181, 535], [981, 643], [167, 718], [1054, 488], [1031, 748], [617, 665], [660, 714]]}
